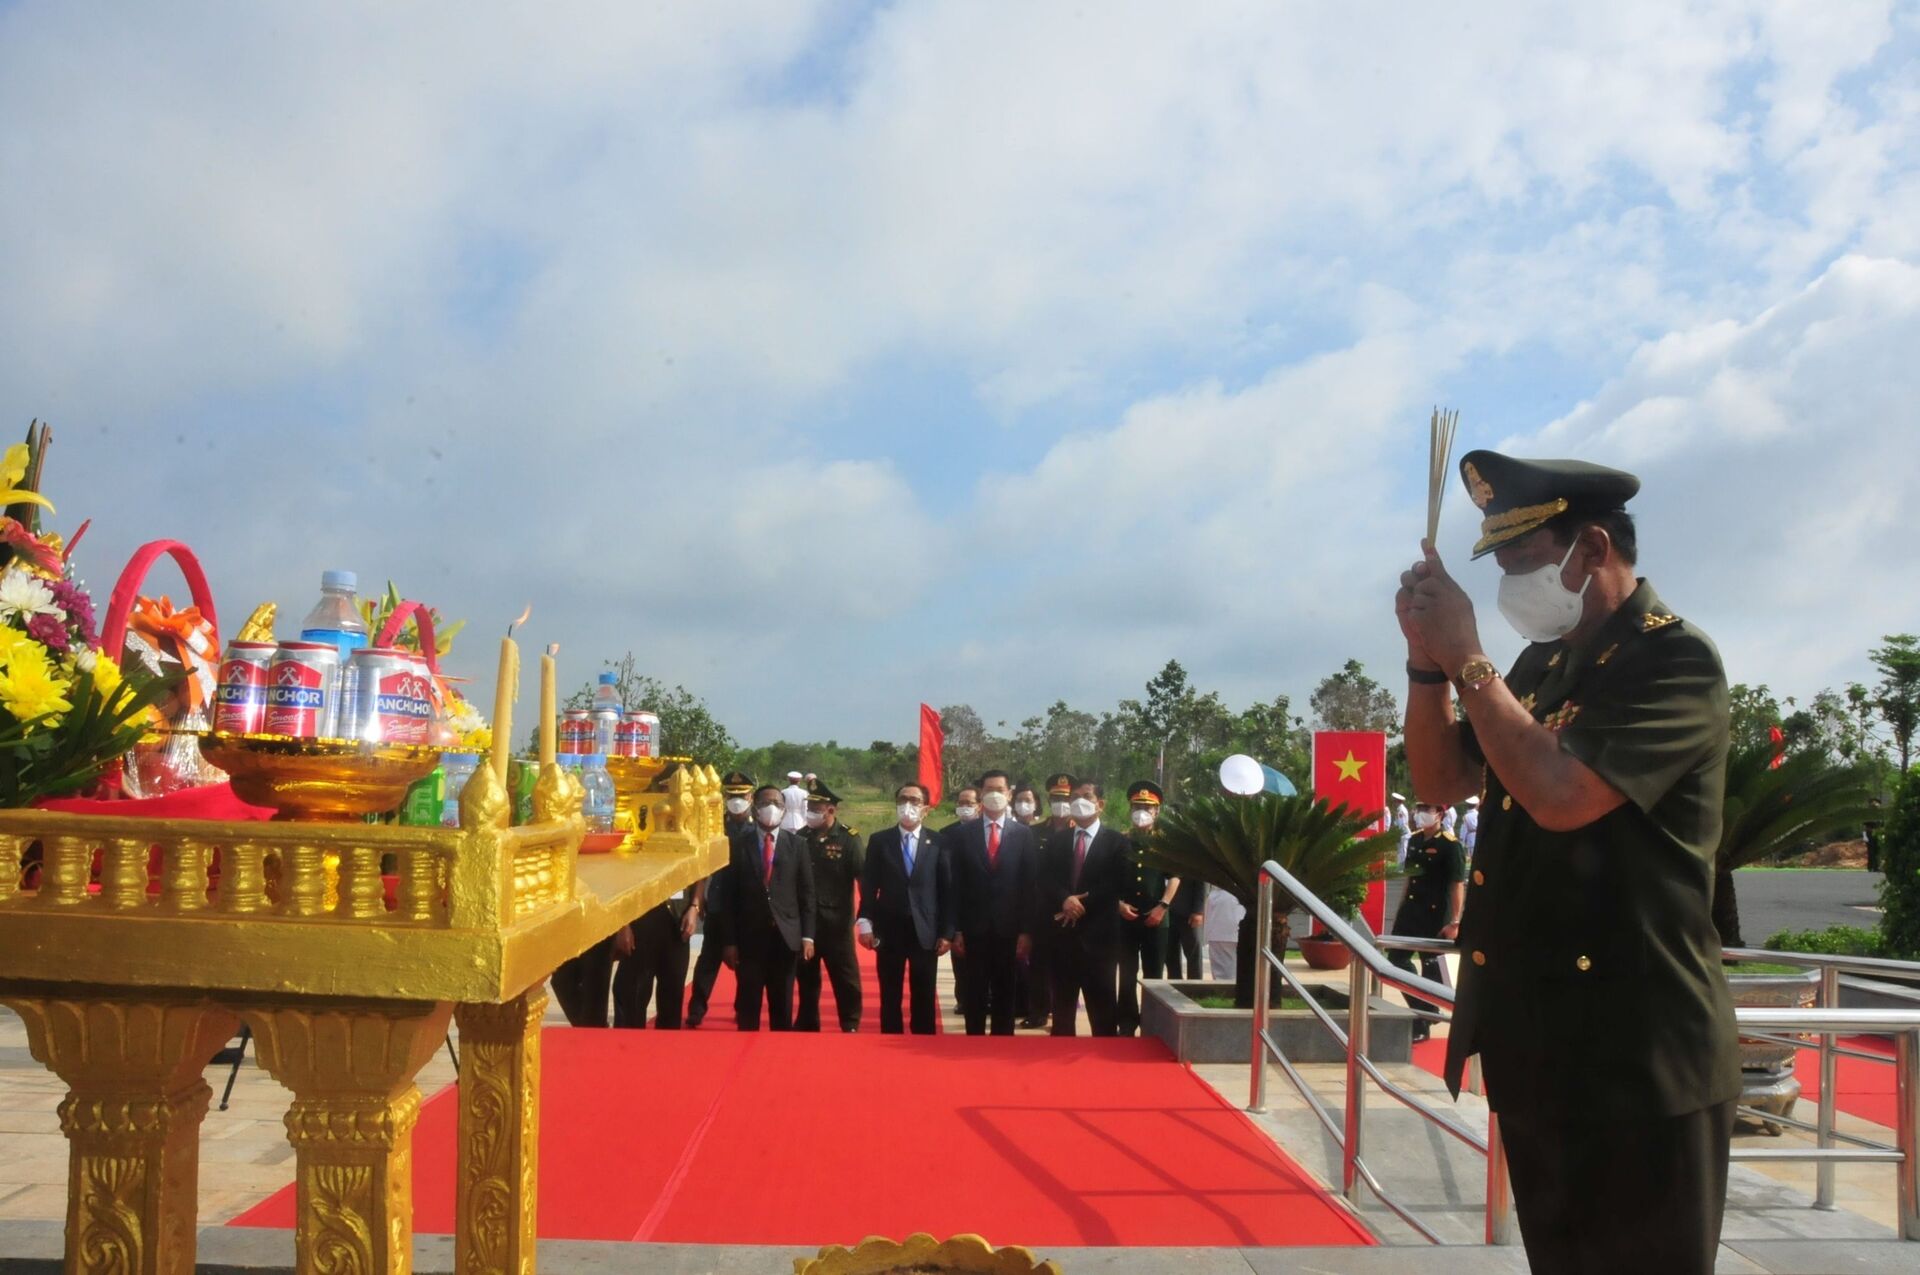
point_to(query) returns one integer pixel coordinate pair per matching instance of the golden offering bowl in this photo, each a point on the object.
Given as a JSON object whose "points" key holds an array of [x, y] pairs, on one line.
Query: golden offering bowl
{"points": [[319, 780], [961, 1255], [636, 774]]}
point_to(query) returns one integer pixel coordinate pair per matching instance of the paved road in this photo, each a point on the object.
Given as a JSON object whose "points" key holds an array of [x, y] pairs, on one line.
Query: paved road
{"points": [[1775, 900]]}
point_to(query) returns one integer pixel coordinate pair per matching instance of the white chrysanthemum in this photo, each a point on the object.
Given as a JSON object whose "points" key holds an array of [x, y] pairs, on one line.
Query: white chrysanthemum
{"points": [[24, 594], [84, 661]]}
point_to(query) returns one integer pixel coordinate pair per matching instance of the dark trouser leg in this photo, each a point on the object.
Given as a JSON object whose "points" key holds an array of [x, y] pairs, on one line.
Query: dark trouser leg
{"points": [[1416, 921], [806, 976], [705, 970], [837, 952], [972, 983], [1133, 940], [890, 963], [670, 975], [780, 963], [1039, 982], [1102, 966], [633, 980], [750, 984], [1001, 964], [1063, 961], [923, 971], [1183, 947], [961, 993], [581, 985], [1575, 1183]]}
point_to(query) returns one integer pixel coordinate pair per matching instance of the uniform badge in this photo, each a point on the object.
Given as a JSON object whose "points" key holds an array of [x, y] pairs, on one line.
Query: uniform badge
{"points": [[1606, 655], [1526, 702], [1561, 717], [1555, 661], [1649, 622], [1478, 488]]}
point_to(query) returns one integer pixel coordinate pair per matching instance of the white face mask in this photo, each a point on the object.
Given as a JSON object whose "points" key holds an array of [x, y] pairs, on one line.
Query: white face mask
{"points": [[995, 802], [1425, 819], [1060, 809], [769, 815], [816, 819], [737, 805], [910, 814], [1024, 809], [1538, 606], [1143, 818], [1083, 808], [967, 813]]}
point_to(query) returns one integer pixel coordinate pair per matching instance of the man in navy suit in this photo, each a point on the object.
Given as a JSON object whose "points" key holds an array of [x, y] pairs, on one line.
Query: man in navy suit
{"points": [[994, 862], [906, 910], [769, 902], [1087, 870]]}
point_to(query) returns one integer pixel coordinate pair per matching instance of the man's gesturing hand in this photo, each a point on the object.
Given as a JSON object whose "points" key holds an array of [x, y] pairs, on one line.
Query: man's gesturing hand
{"points": [[1436, 615]]}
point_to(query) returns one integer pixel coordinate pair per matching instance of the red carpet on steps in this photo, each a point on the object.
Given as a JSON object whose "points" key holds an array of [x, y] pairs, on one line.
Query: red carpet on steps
{"points": [[1865, 1088], [780, 1138]]}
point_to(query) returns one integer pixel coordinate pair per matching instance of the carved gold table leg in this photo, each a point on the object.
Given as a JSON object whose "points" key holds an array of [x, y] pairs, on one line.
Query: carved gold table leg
{"points": [[499, 1135], [132, 1118], [351, 1068]]}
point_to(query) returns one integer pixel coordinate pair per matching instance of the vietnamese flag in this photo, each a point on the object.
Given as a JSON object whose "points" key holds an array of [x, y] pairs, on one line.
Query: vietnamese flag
{"points": [[933, 738], [1350, 769]]}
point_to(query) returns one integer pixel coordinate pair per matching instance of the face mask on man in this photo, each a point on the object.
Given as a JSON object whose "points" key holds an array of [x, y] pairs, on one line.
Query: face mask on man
{"points": [[816, 818], [910, 814], [1538, 606], [967, 813], [1143, 818], [1083, 808], [1060, 809], [995, 802], [737, 806], [1024, 809], [769, 815], [1425, 819]]}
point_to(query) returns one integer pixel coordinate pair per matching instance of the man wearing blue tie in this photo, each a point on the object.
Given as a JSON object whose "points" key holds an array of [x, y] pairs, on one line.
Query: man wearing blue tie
{"points": [[906, 911]]}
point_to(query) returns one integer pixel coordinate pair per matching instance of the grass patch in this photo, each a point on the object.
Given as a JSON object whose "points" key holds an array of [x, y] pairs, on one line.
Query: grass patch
{"points": [[1226, 1002], [1765, 967]]}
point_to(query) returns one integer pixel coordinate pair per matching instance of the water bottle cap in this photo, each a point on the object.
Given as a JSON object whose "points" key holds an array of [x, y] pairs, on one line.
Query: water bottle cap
{"points": [[609, 679], [596, 759], [339, 580]]}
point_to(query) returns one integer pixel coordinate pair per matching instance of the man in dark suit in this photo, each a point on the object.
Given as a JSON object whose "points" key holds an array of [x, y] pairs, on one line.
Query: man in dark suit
{"points": [[709, 897], [1087, 873], [966, 810], [994, 862], [906, 911], [769, 901]]}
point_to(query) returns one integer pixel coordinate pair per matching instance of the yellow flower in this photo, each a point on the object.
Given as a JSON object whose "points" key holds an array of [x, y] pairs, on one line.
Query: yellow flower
{"points": [[11, 640], [29, 688], [13, 467]]}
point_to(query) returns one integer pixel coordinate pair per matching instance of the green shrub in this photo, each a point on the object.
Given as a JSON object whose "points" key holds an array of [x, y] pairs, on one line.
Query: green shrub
{"points": [[1835, 940], [1900, 862]]}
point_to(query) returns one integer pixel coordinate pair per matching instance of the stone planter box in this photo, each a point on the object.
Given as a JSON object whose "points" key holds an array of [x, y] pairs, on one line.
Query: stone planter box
{"points": [[1171, 1011]]}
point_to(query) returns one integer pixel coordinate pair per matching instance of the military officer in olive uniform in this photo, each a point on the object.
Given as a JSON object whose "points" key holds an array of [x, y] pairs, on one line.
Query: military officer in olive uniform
{"points": [[1143, 910], [709, 897], [1591, 986], [838, 855], [1436, 890]]}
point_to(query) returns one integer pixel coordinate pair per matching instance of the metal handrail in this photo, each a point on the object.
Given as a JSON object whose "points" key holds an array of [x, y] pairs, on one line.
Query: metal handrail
{"points": [[1370, 967]]}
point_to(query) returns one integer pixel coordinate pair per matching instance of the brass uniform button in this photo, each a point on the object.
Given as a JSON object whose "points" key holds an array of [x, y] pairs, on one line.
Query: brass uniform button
{"points": [[1506, 803], [1583, 964], [1479, 958], [1479, 877]]}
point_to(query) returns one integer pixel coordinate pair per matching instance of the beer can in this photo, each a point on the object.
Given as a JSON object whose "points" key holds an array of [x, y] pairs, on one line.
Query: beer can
{"points": [[302, 690], [646, 733], [625, 737], [392, 701], [576, 732], [240, 694]]}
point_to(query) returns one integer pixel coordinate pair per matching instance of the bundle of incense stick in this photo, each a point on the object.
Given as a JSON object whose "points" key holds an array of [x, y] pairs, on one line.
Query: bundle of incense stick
{"points": [[1439, 467]]}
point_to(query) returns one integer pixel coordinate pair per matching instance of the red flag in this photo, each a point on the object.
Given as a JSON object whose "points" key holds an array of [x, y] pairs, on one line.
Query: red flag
{"points": [[932, 739], [1350, 769], [1778, 738]]}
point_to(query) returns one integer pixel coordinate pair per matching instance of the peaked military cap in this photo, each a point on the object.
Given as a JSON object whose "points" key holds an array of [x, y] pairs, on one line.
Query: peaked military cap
{"points": [[737, 783], [1060, 785], [820, 792], [1516, 496], [1143, 792]]}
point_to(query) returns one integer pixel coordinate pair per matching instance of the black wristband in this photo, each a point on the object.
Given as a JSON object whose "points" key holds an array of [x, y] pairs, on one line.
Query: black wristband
{"points": [[1426, 676]]}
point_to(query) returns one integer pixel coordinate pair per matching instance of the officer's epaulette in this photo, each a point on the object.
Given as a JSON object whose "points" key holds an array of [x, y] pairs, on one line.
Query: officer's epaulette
{"points": [[1448, 835], [1655, 620], [851, 830]]}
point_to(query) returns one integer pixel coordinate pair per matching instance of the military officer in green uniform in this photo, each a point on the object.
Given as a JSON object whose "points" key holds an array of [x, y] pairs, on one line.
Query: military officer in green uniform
{"points": [[838, 855], [1143, 910], [1591, 986], [1436, 867]]}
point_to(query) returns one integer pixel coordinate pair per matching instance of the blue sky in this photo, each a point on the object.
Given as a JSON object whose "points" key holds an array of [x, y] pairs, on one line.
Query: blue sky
{"points": [[836, 357]]}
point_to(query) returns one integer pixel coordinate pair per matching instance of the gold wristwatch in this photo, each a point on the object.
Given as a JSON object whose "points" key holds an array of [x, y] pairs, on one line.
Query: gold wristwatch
{"points": [[1478, 672]]}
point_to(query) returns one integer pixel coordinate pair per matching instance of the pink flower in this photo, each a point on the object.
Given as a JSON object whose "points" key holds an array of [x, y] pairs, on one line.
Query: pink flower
{"points": [[75, 601], [48, 631]]}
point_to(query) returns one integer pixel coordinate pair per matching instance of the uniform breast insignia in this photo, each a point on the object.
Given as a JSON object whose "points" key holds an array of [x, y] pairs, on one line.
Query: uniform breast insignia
{"points": [[1555, 661], [1526, 702], [1606, 655], [1649, 622], [1479, 490], [1561, 717]]}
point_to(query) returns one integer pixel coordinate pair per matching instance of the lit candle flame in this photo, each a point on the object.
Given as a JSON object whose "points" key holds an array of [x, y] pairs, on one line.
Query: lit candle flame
{"points": [[522, 620]]}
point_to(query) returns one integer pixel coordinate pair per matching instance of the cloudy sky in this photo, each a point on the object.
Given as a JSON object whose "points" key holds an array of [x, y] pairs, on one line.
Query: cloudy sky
{"points": [[833, 356]]}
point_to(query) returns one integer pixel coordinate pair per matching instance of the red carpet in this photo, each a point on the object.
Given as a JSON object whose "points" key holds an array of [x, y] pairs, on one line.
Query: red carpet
{"points": [[726, 1137], [720, 1005], [1866, 1088]]}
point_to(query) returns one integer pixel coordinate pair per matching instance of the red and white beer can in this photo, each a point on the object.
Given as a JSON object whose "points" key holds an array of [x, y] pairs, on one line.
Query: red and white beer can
{"points": [[240, 695], [576, 732], [646, 733], [393, 702], [303, 690]]}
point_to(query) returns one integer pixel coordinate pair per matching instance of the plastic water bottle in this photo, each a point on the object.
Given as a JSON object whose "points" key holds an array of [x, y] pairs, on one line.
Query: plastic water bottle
{"points": [[606, 715], [336, 619], [598, 806], [459, 768]]}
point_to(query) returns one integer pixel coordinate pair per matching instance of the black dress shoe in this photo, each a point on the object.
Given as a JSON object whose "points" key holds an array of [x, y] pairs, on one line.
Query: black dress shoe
{"points": [[694, 1020], [1033, 1022]]}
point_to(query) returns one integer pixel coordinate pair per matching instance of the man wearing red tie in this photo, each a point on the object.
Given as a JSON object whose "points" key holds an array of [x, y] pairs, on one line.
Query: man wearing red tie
{"points": [[769, 900], [994, 862], [1088, 870]]}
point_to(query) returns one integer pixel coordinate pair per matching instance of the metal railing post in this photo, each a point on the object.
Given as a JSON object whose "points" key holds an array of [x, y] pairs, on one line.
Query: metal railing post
{"points": [[1262, 989], [1499, 1187], [1829, 1082], [1906, 1118], [1359, 1022]]}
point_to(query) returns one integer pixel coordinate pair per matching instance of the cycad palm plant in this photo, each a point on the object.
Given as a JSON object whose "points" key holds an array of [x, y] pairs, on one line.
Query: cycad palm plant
{"points": [[1224, 840], [1769, 811]]}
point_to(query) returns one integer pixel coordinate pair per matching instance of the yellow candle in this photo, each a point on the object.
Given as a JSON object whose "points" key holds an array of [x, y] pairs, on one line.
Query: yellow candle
{"points": [[503, 693], [547, 697]]}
